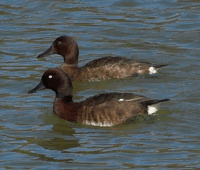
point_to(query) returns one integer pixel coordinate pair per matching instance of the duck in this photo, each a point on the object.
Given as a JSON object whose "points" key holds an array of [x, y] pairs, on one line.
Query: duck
{"points": [[104, 110], [98, 69]]}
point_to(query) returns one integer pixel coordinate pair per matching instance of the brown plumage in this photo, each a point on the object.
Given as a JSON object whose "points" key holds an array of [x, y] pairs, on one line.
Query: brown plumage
{"points": [[106, 109], [99, 69]]}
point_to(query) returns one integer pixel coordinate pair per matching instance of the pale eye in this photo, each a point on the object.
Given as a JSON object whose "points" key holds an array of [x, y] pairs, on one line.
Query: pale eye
{"points": [[59, 42], [50, 76]]}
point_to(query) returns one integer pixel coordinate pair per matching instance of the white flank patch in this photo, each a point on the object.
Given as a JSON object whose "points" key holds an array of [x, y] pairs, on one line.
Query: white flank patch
{"points": [[140, 71], [101, 124], [94, 79], [152, 109], [152, 70], [129, 100]]}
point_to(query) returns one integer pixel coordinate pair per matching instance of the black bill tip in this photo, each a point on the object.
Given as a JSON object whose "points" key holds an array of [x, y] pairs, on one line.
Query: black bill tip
{"points": [[46, 53], [40, 86]]}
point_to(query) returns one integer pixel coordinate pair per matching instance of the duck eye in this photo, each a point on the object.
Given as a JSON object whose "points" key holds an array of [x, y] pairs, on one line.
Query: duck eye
{"points": [[59, 42], [50, 76]]}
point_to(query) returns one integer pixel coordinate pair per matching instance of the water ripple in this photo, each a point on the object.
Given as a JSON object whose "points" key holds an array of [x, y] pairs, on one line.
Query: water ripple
{"points": [[156, 31]]}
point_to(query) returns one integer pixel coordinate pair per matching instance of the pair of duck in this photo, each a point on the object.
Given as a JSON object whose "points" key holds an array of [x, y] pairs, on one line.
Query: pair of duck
{"points": [[106, 109]]}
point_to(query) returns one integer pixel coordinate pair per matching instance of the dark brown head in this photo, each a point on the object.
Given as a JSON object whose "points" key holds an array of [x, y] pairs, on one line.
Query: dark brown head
{"points": [[56, 80], [65, 46]]}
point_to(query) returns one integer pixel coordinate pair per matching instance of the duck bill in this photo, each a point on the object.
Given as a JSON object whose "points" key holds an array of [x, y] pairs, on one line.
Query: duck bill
{"points": [[38, 87], [46, 53]]}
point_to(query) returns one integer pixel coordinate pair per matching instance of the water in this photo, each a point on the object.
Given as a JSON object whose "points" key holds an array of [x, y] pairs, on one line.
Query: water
{"points": [[161, 32]]}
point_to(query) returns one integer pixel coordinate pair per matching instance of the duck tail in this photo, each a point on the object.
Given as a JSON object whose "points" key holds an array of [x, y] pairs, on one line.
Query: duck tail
{"points": [[151, 105], [154, 69], [159, 66], [152, 102]]}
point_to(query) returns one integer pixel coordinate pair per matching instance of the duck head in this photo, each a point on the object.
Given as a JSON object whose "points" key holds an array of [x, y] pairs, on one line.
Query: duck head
{"points": [[56, 80], [66, 47]]}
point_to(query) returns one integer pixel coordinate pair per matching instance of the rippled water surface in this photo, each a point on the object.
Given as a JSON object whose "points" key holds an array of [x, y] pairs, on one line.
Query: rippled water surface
{"points": [[161, 32]]}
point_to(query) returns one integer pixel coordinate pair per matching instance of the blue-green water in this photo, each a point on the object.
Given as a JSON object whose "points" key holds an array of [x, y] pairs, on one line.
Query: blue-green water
{"points": [[161, 32]]}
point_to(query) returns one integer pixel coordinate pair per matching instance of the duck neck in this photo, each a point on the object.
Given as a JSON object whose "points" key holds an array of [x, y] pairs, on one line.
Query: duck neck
{"points": [[71, 58], [71, 62], [72, 70], [67, 99], [66, 109]]}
